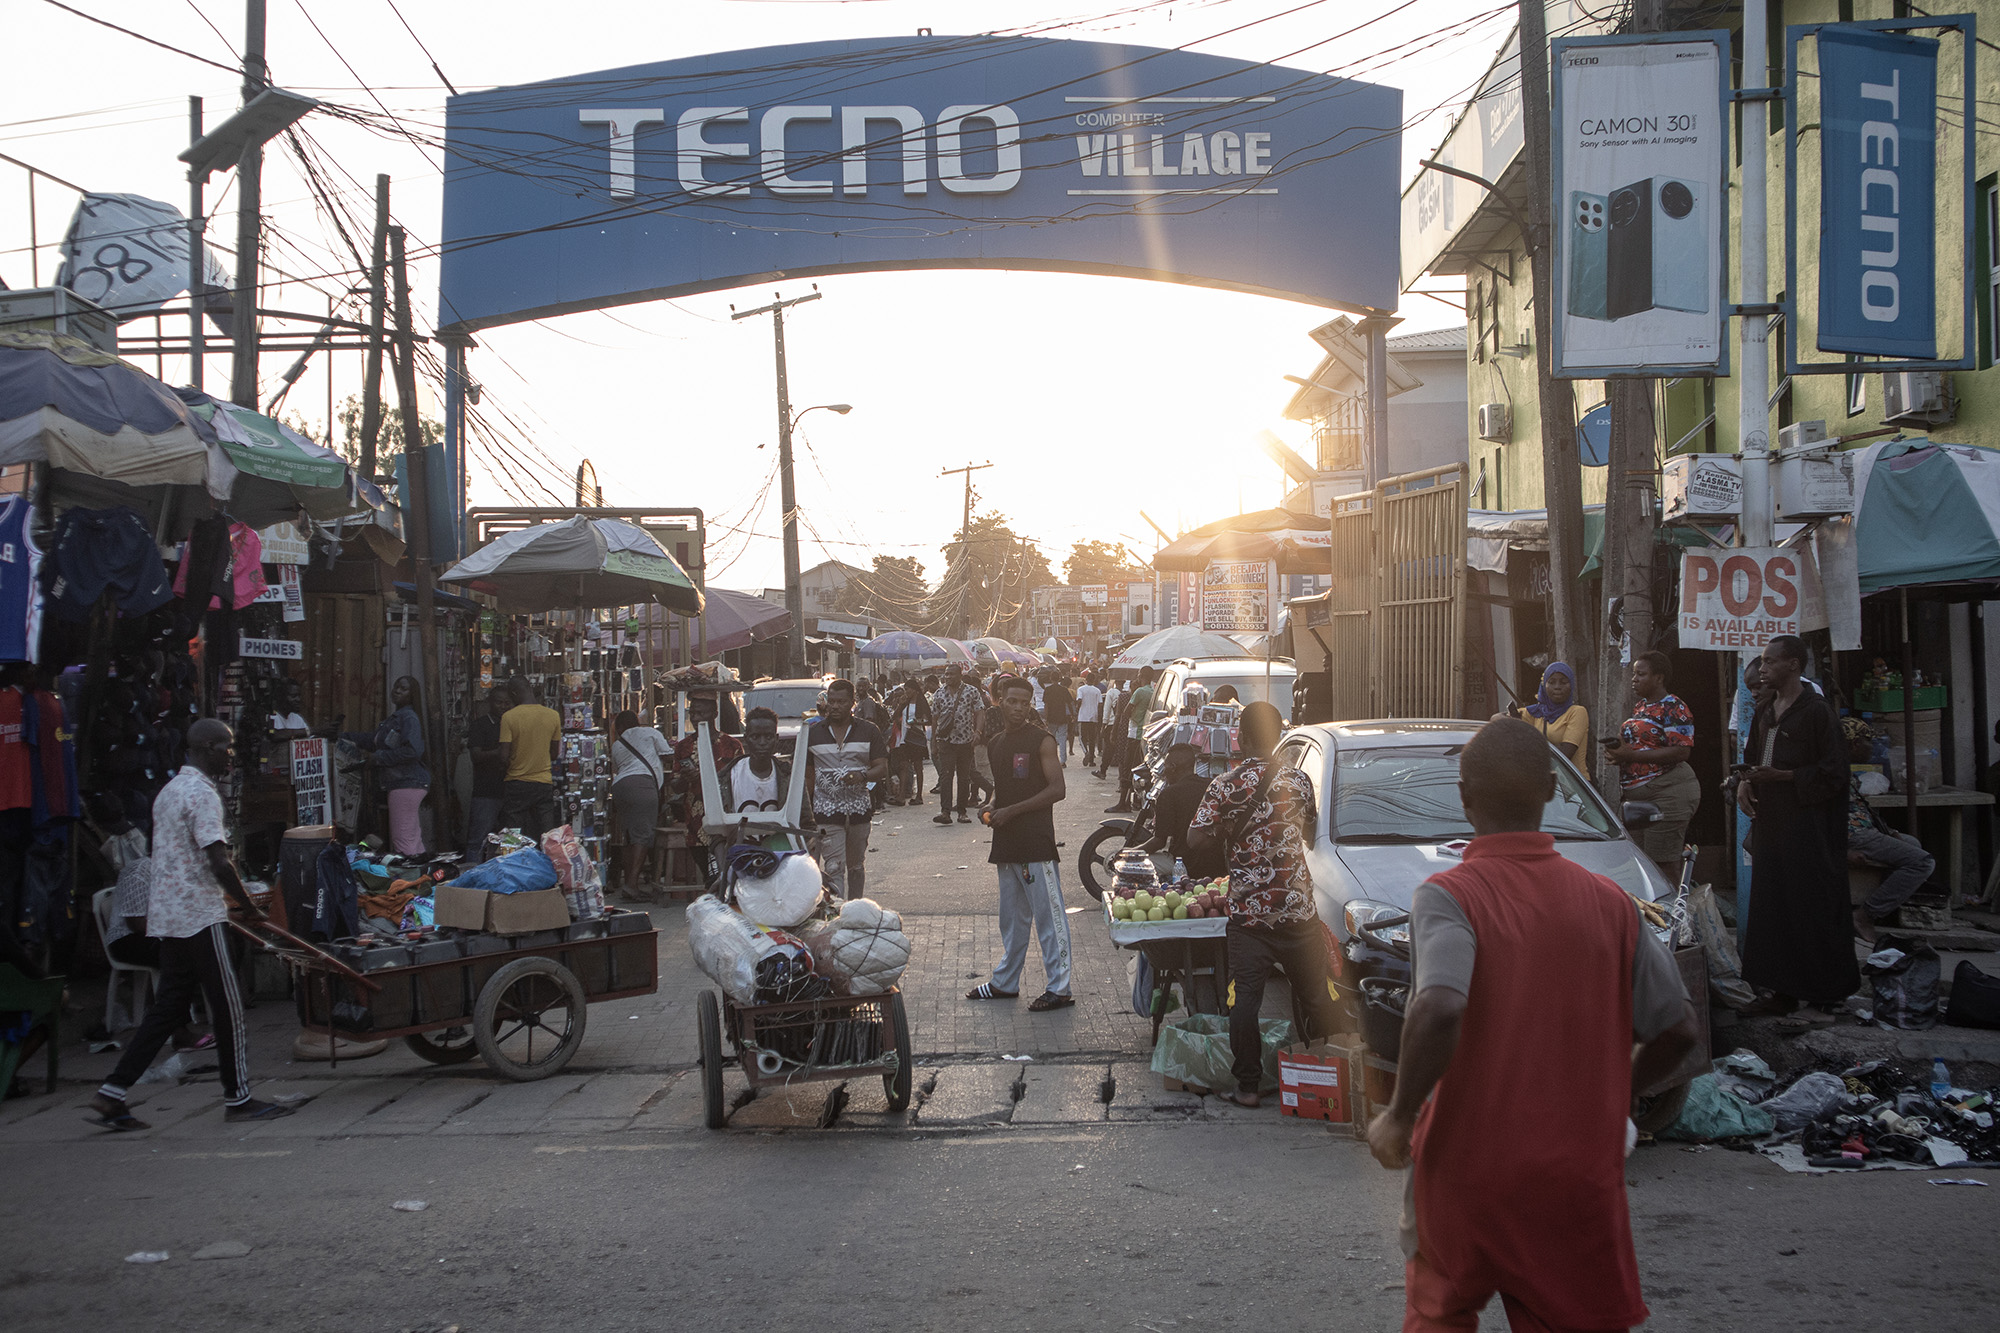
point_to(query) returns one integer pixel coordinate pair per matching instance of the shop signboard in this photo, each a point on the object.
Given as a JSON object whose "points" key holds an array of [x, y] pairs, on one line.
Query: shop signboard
{"points": [[293, 593], [311, 781], [713, 171], [1641, 132], [276, 650], [284, 544], [1741, 598], [1096, 596], [1878, 193], [1236, 596]]}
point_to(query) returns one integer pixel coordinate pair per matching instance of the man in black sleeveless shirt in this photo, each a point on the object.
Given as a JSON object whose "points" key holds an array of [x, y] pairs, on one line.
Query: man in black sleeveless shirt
{"points": [[1028, 781]]}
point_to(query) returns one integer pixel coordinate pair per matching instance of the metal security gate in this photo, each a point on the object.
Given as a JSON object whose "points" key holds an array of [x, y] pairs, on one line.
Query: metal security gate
{"points": [[1397, 608]]}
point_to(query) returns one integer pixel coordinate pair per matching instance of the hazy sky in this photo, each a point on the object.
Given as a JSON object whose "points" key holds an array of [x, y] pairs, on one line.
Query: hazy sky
{"points": [[671, 402]]}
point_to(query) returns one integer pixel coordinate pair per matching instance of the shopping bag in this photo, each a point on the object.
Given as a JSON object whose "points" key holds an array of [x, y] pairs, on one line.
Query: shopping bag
{"points": [[1195, 1049], [1712, 1112], [1725, 969], [1905, 973]]}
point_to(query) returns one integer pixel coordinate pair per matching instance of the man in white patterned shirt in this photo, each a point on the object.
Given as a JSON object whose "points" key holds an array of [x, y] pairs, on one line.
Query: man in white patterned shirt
{"points": [[195, 888], [955, 714]]}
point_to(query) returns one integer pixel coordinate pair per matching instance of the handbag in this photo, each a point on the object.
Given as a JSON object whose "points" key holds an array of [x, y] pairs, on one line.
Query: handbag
{"points": [[1975, 998]]}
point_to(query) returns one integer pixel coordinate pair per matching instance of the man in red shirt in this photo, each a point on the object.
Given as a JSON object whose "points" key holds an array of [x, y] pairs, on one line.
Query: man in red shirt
{"points": [[1534, 977]]}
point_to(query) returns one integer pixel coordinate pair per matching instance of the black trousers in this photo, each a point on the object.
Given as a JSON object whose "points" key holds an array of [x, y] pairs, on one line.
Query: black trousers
{"points": [[1254, 952], [528, 806], [1090, 742], [954, 761], [199, 963]]}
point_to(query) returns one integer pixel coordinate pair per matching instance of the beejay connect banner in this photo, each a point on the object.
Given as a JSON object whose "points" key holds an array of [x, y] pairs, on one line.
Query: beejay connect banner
{"points": [[1878, 194], [1639, 162], [711, 172]]}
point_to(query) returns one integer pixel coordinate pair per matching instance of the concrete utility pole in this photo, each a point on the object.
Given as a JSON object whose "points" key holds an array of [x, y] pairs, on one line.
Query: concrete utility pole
{"points": [[249, 222], [1753, 333], [197, 263], [371, 375], [787, 495], [965, 532], [1562, 467]]}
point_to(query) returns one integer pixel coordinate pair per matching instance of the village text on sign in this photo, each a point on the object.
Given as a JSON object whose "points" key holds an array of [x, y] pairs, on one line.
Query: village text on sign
{"points": [[1735, 599]]}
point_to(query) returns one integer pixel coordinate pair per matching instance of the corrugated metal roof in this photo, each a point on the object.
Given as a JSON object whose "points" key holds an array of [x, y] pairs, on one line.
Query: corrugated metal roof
{"points": [[1433, 340]]}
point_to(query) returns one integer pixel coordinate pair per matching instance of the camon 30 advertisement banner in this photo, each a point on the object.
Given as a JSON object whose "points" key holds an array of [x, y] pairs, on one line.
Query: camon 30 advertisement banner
{"points": [[1641, 131], [711, 172]]}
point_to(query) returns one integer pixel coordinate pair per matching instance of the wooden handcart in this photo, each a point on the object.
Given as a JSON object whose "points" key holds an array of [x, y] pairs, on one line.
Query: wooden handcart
{"points": [[814, 1041], [518, 1002]]}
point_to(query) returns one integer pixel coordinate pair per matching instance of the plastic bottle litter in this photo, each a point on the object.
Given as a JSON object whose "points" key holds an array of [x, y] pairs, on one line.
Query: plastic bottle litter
{"points": [[1180, 871], [409, 1205], [1940, 1079], [170, 1070], [147, 1257]]}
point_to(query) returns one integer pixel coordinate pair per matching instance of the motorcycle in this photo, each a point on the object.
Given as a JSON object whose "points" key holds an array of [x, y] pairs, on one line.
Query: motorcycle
{"points": [[1093, 862]]}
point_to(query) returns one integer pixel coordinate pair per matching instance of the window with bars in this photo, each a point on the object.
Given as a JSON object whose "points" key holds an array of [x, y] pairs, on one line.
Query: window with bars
{"points": [[1986, 246]]}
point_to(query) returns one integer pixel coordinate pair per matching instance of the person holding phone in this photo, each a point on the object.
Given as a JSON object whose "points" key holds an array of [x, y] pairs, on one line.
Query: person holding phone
{"points": [[1563, 722], [1652, 755]]}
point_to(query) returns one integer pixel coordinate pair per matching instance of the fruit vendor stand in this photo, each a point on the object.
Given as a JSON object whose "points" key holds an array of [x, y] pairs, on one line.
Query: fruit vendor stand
{"points": [[1189, 950]]}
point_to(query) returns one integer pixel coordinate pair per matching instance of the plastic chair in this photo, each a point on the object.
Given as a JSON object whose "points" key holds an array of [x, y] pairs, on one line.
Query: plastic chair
{"points": [[145, 980], [40, 997]]}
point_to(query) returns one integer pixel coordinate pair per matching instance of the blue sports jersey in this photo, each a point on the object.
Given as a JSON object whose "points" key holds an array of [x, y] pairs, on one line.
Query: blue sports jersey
{"points": [[20, 564]]}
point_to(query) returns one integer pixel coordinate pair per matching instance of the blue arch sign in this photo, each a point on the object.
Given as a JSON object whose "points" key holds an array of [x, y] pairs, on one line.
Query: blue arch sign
{"points": [[716, 171]]}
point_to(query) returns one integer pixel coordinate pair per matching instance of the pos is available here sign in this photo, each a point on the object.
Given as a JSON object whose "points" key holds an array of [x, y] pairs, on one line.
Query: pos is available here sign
{"points": [[1740, 598]]}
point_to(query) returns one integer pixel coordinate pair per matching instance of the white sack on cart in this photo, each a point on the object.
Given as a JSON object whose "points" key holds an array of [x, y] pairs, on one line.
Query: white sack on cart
{"points": [[727, 947], [863, 950], [784, 898]]}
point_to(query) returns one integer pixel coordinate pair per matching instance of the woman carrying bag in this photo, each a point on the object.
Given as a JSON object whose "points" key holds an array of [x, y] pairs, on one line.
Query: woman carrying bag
{"points": [[641, 758]]}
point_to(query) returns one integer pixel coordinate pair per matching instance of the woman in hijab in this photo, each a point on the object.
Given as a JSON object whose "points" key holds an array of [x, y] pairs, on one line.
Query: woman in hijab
{"points": [[1555, 712]]}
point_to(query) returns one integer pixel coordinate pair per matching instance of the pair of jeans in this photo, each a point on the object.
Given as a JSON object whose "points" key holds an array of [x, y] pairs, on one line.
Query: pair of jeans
{"points": [[954, 763], [907, 766], [843, 857], [1090, 743], [483, 820], [1298, 947], [528, 806], [1061, 732], [1908, 864]]}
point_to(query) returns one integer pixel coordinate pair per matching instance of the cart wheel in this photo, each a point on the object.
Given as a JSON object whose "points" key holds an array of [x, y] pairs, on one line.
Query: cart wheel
{"points": [[897, 1085], [442, 1047], [708, 1025], [529, 1018]]}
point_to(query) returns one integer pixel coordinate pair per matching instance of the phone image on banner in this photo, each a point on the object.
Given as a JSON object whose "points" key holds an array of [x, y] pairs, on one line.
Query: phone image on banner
{"points": [[1657, 250], [1588, 256]]}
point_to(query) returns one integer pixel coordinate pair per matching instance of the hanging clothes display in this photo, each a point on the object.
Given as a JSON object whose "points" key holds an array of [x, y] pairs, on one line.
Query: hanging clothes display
{"points": [[95, 549], [20, 571], [245, 574]]}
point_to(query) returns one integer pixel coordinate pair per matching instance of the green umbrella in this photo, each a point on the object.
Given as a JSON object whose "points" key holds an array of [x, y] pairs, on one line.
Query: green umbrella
{"points": [[578, 562]]}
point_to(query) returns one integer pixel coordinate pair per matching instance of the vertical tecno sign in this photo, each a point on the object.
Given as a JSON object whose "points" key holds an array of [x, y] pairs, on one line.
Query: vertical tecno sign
{"points": [[1640, 135], [1878, 194]]}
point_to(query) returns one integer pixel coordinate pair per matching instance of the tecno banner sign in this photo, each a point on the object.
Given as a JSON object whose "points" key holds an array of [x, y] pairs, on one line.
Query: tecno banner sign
{"points": [[1011, 153], [1740, 598], [1641, 134], [1878, 194]]}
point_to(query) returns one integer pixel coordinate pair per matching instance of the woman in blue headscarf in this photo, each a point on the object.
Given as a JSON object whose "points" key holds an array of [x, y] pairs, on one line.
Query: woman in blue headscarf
{"points": [[1555, 712]]}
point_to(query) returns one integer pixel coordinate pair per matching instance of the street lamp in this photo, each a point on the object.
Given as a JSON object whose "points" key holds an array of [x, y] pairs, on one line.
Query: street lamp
{"points": [[842, 408]]}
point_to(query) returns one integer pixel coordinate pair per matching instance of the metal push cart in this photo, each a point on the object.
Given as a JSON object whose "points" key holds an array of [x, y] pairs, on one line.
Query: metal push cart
{"points": [[518, 1002], [833, 1038]]}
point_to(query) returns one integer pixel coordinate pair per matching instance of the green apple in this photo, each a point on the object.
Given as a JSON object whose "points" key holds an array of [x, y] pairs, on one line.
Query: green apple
{"points": [[1180, 913], [1158, 913]]}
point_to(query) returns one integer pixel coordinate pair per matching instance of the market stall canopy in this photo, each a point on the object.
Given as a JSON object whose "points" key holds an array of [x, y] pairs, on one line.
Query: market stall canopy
{"points": [[902, 645], [1300, 543], [84, 411], [579, 562], [279, 471], [1177, 641], [956, 650], [1926, 512], [738, 619]]}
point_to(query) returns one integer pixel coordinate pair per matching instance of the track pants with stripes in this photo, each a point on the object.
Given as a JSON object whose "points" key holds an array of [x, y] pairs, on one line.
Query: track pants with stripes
{"points": [[200, 963]]}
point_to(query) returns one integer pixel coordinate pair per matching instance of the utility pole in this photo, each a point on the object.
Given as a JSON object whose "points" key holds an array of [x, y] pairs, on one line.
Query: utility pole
{"points": [[1562, 467], [787, 494], [197, 262], [965, 534], [249, 223], [1753, 364], [417, 520], [371, 375]]}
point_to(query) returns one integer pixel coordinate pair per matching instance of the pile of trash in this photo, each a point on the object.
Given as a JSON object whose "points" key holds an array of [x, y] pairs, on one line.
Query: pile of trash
{"points": [[1877, 1113]]}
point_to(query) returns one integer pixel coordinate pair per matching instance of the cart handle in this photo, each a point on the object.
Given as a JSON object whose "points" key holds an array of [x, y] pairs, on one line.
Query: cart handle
{"points": [[327, 960]]}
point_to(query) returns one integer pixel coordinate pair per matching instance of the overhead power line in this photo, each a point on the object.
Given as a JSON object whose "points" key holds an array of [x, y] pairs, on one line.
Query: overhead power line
{"points": [[150, 41]]}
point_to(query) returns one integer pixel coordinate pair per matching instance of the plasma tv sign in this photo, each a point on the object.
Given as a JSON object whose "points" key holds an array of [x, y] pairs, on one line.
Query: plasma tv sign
{"points": [[712, 172], [1641, 133]]}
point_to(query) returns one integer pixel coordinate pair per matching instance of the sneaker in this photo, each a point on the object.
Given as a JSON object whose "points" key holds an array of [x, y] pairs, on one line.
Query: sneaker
{"points": [[256, 1110], [964, 818], [940, 819]]}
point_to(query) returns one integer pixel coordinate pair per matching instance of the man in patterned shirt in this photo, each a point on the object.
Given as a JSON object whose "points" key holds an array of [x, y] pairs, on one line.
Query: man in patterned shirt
{"points": [[1266, 818], [195, 888], [955, 713]]}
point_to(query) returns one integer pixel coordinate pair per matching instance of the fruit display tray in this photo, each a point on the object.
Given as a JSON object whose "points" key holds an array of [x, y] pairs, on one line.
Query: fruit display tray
{"points": [[1134, 932]]}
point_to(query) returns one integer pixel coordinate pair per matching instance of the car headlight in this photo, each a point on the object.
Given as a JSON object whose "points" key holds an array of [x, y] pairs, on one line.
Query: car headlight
{"points": [[1363, 911]]}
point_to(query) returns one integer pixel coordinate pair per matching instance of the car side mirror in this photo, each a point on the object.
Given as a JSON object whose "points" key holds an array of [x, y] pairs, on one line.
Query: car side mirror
{"points": [[1638, 814]]}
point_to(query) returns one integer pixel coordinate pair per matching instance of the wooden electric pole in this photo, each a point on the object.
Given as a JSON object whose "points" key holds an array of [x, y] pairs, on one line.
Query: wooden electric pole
{"points": [[371, 375], [249, 222]]}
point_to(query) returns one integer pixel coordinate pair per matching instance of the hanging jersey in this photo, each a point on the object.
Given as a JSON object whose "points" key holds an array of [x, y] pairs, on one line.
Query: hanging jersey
{"points": [[46, 728], [17, 784], [20, 566]]}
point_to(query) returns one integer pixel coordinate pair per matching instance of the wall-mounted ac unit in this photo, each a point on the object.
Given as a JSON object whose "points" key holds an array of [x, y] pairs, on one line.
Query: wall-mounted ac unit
{"points": [[1923, 397], [1496, 423]]}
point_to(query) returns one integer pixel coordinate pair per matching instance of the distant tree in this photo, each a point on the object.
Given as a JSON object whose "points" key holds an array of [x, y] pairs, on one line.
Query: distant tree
{"points": [[894, 591], [1095, 562], [986, 580], [388, 441]]}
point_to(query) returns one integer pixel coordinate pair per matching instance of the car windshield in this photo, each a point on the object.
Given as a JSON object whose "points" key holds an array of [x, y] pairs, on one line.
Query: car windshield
{"points": [[785, 701], [1250, 687], [1409, 793]]}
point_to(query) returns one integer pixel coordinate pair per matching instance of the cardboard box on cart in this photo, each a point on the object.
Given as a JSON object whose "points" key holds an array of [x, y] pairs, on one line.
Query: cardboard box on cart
{"points": [[501, 913]]}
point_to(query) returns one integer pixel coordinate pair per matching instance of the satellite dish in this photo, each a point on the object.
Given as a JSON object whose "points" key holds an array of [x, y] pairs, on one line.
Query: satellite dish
{"points": [[1593, 436]]}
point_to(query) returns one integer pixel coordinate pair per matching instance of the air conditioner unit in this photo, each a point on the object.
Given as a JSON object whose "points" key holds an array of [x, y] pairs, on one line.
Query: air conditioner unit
{"points": [[1920, 396], [1496, 423]]}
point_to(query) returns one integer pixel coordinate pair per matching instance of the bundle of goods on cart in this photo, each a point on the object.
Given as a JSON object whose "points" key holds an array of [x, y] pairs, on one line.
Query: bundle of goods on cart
{"points": [[777, 944], [698, 676]]}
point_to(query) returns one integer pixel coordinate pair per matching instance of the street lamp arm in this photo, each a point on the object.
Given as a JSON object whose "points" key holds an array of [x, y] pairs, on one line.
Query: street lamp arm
{"points": [[841, 408]]}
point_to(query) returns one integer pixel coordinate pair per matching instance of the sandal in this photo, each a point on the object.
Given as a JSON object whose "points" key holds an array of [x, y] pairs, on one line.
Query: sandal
{"points": [[254, 1110], [120, 1119], [1048, 1000], [984, 991]]}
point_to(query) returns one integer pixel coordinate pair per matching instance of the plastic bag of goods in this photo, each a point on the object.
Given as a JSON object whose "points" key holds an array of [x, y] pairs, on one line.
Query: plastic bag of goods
{"points": [[575, 872], [726, 947], [863, 951], [785, 896]]}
